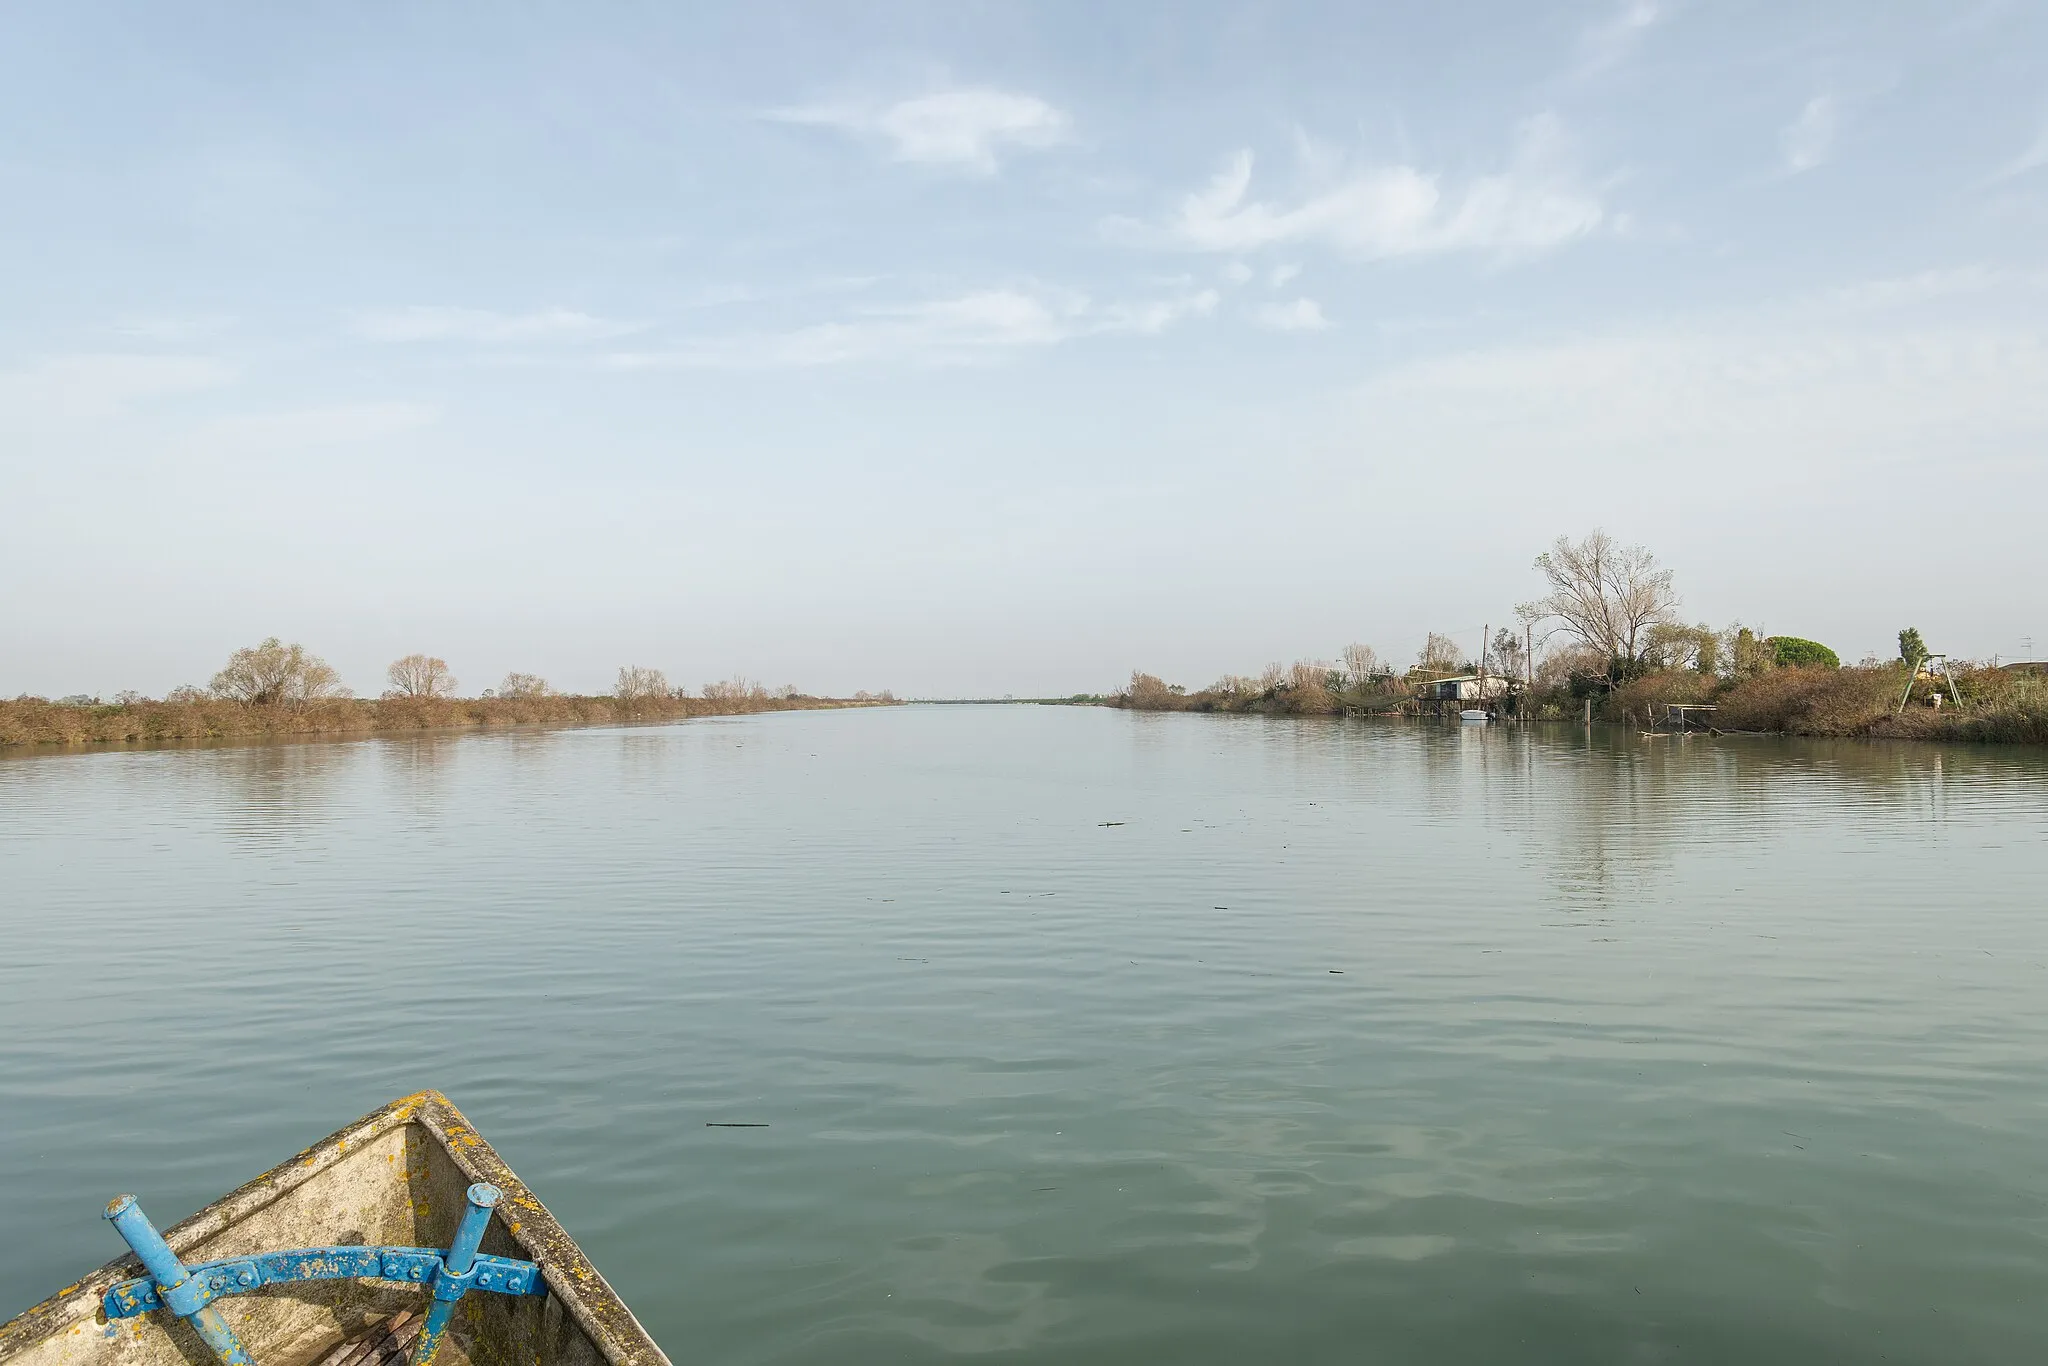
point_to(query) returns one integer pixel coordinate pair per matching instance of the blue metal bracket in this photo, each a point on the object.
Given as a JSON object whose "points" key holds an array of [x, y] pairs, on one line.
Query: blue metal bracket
{"points": [[209, 1281], [188, 1291]]}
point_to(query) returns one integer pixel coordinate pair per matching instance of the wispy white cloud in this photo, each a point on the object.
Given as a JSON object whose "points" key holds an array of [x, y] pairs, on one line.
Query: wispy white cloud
{"points": [[1298, 315], [1609, 42], [171, 328], [1282, 274], [1809, 140], [1811, 386], [1151, 318], [962, 328], [296, 429], [1236, 273], [428, 323], [1929, 285], [1537, 202], [103, 383], [969, 127], [2032, 159]]}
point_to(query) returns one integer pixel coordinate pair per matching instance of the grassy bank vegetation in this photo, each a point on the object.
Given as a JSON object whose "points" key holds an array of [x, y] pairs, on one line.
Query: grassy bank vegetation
{"points": [[1999, 705], [1307, 689], [1608, 635], [278, 690]]}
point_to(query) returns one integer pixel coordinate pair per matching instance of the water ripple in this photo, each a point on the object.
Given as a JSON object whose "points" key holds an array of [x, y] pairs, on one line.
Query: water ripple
{"points": [[1343, 1042]]}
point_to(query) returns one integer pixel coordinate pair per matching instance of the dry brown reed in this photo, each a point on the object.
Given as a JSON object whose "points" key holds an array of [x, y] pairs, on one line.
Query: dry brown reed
{"points": [[1307, 689], [33, 721], [2007, 705]]}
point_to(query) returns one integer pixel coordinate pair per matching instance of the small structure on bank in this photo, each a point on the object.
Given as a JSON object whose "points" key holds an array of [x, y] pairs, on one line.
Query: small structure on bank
{"points": [[1934, 669], [1464, 688], [1481, 692]]}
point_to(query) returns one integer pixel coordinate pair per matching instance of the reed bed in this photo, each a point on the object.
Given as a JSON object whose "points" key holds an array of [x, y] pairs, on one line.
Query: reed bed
{"points": [[34, 721]]}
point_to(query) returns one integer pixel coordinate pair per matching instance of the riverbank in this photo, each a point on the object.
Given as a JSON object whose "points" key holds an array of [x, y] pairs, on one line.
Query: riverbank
{"points": [[33, 721], [1997, 706]]}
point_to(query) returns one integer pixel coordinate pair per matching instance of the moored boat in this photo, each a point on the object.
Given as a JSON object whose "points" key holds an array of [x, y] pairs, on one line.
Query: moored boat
{"points": [[403, 1237]]}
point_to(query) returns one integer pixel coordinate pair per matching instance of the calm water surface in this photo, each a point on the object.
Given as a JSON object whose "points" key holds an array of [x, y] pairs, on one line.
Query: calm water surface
{"points": [[1088, 1037]]}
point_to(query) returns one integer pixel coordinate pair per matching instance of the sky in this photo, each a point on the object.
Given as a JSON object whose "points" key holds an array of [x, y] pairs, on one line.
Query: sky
{"points": [[973, 349]]}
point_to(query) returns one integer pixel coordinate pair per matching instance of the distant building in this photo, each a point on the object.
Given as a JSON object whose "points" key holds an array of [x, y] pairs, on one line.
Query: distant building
{"points": [[1464, 688]]}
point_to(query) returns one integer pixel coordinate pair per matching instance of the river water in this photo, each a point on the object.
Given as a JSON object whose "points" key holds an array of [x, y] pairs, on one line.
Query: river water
{"points": [[1083, 1036]]}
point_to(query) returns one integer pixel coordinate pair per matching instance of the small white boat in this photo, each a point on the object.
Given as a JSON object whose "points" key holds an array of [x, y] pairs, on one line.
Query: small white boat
{"points": [[1472, 716]]}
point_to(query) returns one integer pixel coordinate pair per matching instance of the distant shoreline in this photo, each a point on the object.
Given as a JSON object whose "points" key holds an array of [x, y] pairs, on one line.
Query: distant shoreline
{"points": [[1996, 705], [28, 722]]}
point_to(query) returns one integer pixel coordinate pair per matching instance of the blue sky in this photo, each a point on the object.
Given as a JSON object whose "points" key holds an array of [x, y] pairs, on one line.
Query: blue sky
{"points": [[1001, 348]]}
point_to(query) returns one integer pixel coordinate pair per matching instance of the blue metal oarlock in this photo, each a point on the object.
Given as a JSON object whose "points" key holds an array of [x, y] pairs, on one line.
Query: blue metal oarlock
{"points": [[175, 1286], [458, 1271], [189, 1291]]}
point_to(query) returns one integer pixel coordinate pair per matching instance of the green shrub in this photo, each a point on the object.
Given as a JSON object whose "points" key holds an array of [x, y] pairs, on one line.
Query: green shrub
{"points": [[1793, 653]]}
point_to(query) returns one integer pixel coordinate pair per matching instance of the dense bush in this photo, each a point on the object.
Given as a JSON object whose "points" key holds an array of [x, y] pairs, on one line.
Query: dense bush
{"points": [[1810, 701], [1305, 690], [1645, 697], [1791, 652]]}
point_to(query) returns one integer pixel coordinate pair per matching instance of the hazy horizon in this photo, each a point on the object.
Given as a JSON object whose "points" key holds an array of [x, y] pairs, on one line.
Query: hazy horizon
{"points": [[1006, 349]]}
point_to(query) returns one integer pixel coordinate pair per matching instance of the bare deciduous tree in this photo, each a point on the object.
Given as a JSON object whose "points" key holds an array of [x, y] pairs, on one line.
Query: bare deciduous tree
{"points": [[1148, 692], [1506, 654], [737, 694], [274, 674], [420, 676], [1607, 594], [1674, 645], [525, 685], [735, 689], [1361, 664], [637, 684], [1308, 687], [1577, 659], [1439, 655]]}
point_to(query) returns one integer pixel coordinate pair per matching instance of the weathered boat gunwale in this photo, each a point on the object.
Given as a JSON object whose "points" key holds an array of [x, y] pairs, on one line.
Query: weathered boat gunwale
{"points": [[572, 1281]]}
